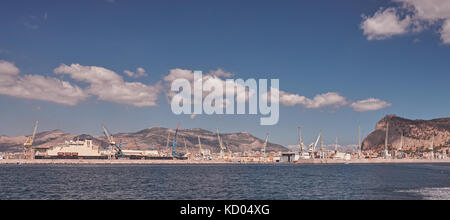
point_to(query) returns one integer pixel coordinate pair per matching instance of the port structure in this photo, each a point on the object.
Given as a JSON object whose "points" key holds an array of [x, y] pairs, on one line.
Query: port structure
{"points": [[188, 154], [222, 148], [313, 146], [265, 148], [201, 150], [359, 142], [175, 154], [300, 140], [386, 143], [112, 143], [28, 150]]}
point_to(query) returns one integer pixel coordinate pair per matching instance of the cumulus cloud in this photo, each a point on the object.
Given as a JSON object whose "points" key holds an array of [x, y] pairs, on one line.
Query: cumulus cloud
{"points": [[330, 99], [37, 87], [385, 24], [319, 101], [430, 10], [107, 85], [140, 72], [214, 79], [220, 73], [8, 69], [418, 15], [175, 74], [371, 104], [445, 32]]}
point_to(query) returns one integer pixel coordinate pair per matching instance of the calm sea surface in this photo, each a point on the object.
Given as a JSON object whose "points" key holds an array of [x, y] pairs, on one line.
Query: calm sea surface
{"points": [[230, 182]]}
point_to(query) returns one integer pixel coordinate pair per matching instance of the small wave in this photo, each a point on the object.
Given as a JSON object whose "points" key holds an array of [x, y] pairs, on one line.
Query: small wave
{"points": [[431, 193]]}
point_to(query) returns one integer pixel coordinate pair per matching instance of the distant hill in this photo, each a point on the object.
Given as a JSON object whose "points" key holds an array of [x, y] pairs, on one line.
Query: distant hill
{"points": [[151, 138], [417, 134], [156, 138]]}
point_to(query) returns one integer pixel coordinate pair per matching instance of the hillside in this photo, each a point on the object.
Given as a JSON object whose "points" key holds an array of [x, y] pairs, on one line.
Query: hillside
{"points": [[151, 138], [417, 134]]}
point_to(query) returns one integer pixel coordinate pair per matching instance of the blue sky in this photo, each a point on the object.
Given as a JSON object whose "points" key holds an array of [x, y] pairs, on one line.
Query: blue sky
{"points": [[313, 47]]}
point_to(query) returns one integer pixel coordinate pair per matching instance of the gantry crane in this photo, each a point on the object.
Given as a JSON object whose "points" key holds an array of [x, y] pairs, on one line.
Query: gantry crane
{"points": [[28, 151]]}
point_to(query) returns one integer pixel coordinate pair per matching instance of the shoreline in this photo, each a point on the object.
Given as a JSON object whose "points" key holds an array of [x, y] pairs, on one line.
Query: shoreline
{"points": [[216, 162]]}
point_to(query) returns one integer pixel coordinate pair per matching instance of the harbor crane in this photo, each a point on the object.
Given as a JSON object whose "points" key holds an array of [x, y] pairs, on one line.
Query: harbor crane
{"points": [[204, 153], [265, 147], [313, 145], [111, 141], [359, 142], [432, 148], [336, 146], [186, 148], [386, 142], [28, 152], [222, 148], [168, 139], [200, 145], [300, 137], [322, 152], [180, 156]]}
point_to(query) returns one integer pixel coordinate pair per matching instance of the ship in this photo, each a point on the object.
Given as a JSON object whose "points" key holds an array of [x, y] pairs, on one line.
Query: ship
{"points": [[74, 149]]}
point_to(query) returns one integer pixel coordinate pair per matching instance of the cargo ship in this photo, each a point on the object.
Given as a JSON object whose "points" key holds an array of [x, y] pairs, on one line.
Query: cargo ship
{"points": [[84, 148], [74, 149]]}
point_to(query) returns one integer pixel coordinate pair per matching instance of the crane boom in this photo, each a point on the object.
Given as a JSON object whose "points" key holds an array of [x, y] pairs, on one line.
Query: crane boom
{"points": [[222, 148], [174, 153], [220, 140], [300, 137], [265, 146], [200, 144], [168, 139], [317, 141], [30, 140], [111, 140], [108, 135], [185, 145]]}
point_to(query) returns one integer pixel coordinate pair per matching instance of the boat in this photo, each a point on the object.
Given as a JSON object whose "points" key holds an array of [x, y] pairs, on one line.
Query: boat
{"points": [[75, 149]]}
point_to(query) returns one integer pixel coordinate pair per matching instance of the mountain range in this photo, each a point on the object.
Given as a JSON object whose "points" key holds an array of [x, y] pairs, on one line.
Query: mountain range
{"points": [[151, 138]]}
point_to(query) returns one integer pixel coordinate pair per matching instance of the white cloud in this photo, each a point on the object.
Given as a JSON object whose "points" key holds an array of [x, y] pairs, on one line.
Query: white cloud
{"points": [[140, 72], [214, 79], [330, 99], [175, 74], [385, 24], [8, 69], [220, 73], [110, 86], [445, 32], [419, 15], [371, 104], [430, 10], [37, 87], [319, 101]]}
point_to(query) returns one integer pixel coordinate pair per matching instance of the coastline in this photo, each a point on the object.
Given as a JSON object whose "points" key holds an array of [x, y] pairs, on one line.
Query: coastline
{"points": [[194, 162]]}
